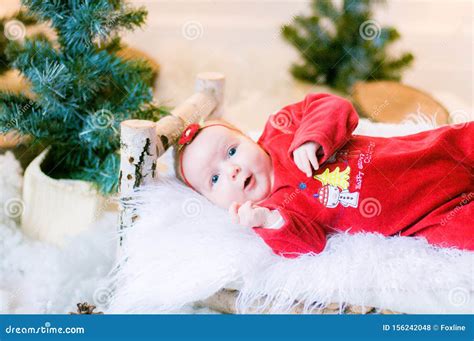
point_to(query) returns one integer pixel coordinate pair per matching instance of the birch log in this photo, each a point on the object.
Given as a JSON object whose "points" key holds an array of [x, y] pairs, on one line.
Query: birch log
{"points": [[138, 151], [206, 102], [142, 142], [224, 301], [212, 83]]}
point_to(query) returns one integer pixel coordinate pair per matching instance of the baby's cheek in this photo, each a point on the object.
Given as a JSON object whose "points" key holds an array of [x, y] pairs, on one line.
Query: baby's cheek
{"points": [[255, 159], [232, 195], [225, 196]]}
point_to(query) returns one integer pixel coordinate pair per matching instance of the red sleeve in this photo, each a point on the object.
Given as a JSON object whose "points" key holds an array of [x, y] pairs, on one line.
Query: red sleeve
{"points": [[323, 118], [298, 235]]}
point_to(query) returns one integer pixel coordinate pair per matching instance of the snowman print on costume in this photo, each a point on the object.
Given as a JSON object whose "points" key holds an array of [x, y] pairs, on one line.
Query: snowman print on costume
{"points": [[335, 189], [330, 196]]}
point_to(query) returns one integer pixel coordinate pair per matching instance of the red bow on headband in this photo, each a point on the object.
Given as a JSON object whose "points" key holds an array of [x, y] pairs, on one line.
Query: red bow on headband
{"points": [[188, 134]]}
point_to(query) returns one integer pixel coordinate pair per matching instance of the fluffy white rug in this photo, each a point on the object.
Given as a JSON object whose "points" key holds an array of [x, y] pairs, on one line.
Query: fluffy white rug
{"points": [[184, 249], [38, 278]]}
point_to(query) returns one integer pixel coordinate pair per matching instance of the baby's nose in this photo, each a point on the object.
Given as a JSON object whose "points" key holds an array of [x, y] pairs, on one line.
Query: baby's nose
{"points": [[234, 171]]}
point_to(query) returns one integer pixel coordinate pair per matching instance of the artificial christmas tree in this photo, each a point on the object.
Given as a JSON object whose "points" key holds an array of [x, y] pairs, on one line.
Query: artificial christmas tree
{"points": [[82, 91], [341, 46]]}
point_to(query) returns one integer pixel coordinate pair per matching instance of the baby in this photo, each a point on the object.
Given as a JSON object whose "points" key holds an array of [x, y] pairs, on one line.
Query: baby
{"points": [[308, 176]]}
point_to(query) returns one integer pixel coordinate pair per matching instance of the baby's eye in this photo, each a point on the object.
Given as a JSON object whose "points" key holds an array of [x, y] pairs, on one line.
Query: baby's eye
{"points": [[214, 179], [232, 151]]}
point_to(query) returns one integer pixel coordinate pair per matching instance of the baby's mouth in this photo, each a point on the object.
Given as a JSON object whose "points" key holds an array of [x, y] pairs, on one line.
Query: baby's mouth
{"points": [[248, 181]]}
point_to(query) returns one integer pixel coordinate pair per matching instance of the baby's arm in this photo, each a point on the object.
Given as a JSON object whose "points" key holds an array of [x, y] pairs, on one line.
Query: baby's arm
{"points": [[324, 119], [320, 124], [287, 232]]}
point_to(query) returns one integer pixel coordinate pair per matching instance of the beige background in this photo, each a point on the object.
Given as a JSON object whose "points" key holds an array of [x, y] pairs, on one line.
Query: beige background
{"points": [[240, 38]]}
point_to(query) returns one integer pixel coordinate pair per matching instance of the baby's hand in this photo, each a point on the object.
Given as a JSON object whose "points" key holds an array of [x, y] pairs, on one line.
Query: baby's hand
{"points": [[305, 156], [251, 215]]}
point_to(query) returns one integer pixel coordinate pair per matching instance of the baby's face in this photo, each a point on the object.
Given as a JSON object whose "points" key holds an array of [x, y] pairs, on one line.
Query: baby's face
{"points": [[226, 166]]}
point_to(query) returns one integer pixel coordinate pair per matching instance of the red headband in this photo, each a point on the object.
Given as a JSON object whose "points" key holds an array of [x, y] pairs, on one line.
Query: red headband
{"points": [[188, 135]]}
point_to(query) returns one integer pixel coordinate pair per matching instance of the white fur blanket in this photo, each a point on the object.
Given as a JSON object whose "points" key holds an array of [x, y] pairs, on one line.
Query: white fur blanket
{"points": [[184, 249], [39, 278]]}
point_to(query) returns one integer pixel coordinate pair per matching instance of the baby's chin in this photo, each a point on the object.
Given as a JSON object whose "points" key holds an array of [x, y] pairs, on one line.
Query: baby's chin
{"points": [[263, 189], [260, 194], [257, 195], [254, 197]]}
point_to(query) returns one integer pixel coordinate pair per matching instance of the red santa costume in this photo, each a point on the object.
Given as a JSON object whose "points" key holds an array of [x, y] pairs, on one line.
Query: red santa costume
{"points": [[416, 185]]}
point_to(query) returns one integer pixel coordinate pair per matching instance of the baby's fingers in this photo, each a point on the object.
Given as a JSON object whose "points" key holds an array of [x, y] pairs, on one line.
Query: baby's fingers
{"points": [[233, 210], [300, 162], [245, 213], [305, 166], [245, 208], [313, 159], [296, 159]]}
